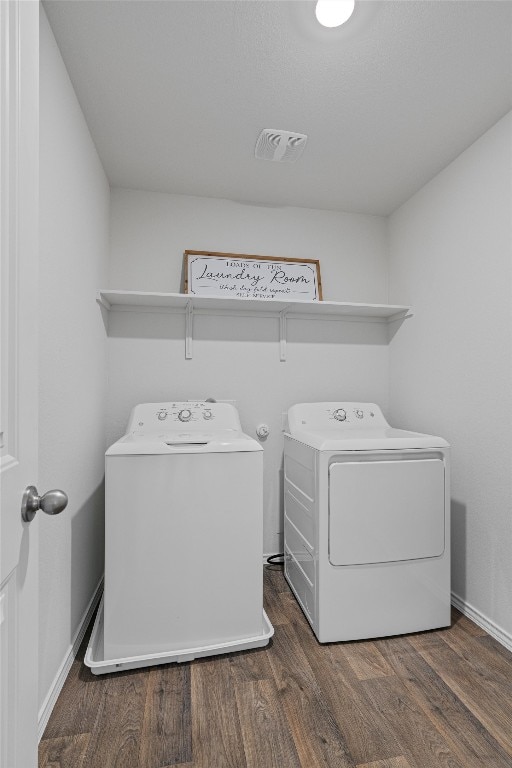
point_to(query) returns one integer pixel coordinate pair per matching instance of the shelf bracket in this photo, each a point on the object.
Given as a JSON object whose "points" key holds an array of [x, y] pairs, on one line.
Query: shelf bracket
{"points": [[282, 335], [189, 329]]}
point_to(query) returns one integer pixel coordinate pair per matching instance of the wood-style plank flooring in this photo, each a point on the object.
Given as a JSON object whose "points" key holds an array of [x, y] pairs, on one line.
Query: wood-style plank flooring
{"points": [[440, 699]]}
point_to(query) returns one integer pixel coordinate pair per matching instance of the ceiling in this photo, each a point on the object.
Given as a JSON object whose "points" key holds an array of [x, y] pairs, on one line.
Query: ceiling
{"points": [[176, 93]]}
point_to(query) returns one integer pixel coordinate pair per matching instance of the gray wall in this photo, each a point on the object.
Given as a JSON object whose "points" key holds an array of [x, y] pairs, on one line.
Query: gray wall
{"points": [[74, 222], [451, 365]]}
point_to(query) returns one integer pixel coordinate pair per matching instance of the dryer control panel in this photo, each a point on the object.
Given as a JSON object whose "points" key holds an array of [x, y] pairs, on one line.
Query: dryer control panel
{"points": [[337, 415], [172, 416]]}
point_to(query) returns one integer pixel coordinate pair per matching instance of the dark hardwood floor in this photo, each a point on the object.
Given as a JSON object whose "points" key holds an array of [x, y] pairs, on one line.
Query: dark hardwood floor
{"points": [[440, 699]]}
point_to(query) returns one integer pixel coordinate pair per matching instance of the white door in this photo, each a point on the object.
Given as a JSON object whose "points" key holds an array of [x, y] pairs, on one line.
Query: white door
{"points": [[19, 139]]}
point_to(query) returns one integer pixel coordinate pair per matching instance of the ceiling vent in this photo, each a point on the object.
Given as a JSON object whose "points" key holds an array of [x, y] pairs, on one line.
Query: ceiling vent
{"points": [[280, 146]]}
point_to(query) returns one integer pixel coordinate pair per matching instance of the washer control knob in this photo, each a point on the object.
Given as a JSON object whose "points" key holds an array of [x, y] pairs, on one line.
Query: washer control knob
{"points": [[162, 415], [339, 414], [359, 413], [185, 414], [207, 415]]}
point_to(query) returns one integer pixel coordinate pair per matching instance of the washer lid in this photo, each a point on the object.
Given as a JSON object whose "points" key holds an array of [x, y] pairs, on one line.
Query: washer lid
{"points": [[386, 439], [225, 441]]}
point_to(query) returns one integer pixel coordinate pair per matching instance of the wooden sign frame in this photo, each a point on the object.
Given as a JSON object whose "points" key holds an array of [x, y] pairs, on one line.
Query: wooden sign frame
{"points": [[287, 280]]}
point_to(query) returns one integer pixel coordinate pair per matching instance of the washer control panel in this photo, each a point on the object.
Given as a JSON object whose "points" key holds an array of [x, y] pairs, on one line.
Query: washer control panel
{"points": [[342, 415], [151, 417]]}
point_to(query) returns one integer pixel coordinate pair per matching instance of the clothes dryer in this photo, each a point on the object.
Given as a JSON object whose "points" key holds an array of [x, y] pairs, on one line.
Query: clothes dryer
{"points": [[367, 522]]}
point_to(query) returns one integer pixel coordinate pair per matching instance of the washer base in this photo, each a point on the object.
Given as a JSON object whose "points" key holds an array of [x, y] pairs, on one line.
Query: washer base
{"points": [[95, 659]]}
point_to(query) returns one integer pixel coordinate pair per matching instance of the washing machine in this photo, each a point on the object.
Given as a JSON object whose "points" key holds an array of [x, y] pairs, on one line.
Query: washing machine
{"points": [[366, 522], [183, 539]]}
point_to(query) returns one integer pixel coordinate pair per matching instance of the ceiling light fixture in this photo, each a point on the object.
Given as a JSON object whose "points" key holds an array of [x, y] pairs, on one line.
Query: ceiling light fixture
{"points": [[334, 13]]}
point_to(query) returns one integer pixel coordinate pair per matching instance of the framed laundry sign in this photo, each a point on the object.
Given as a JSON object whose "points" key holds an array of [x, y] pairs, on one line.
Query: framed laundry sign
{"points": [[210, 273]]}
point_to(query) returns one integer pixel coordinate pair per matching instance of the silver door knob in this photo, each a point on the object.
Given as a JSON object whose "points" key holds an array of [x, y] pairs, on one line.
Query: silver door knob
{"points": [[51, 502]]}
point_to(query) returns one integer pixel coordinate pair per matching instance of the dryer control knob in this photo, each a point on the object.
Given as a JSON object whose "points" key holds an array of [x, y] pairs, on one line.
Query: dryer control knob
{"points": [[207, 414], [339, 414], [185, 414], [359, 413]]}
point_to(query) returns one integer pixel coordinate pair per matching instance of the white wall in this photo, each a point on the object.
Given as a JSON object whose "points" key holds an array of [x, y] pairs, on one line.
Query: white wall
{"points": [[239, 358], [451, 365], [74, 222], [151, 230]]}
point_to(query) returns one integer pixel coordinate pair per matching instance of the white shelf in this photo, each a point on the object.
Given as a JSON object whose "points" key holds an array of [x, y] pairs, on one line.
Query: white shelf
{"points": [[132, 299], [284, 310]]}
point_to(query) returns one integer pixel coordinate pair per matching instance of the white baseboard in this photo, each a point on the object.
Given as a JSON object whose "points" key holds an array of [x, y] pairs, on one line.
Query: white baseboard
{"points": [[499, 634], [62, 673]]}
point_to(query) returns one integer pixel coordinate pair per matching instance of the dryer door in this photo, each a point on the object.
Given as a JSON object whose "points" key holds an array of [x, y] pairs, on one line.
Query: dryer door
{"points": [[386, 511]]}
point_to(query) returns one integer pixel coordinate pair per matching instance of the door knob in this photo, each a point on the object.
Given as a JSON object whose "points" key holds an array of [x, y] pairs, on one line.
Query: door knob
{"points": [[51, 502]]}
